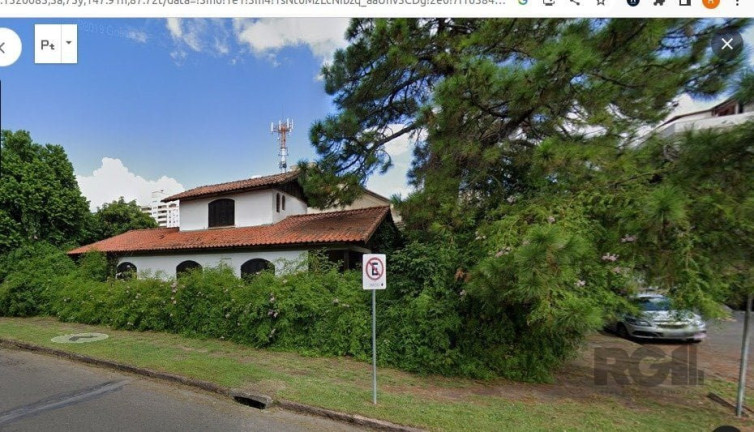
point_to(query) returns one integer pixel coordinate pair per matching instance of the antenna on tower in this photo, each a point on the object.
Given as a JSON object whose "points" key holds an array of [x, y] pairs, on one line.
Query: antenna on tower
{"points": [[282, 130]]}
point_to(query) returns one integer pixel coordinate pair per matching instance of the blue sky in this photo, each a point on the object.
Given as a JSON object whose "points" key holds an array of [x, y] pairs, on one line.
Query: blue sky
{"points": [[173, 104]]}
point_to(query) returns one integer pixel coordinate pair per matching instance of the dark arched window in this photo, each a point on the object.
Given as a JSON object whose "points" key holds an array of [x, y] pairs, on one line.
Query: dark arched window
{"points": [[186, 266], [256, 265], [125, 270], [277, 202], [222, 212], [283, 206]]}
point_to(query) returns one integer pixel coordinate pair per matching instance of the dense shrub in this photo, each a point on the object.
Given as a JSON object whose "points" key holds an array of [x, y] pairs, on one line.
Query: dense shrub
{"points": [[29, 275], [426, 321]]}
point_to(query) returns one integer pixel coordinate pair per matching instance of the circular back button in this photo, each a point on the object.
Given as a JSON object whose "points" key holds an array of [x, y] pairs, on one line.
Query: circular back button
{"points": [[10, 47]]}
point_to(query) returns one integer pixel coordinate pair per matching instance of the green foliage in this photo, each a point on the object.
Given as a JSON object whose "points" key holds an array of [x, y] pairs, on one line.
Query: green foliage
{"points": [[745, 87], [532, 186], [39, 197], [423, 320], [29, 276], [119, 216], [93, 265], [478, 95]]}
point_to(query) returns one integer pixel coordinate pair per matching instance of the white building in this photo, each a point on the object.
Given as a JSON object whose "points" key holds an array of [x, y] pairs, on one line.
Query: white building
{"points": [[248, 225], [726, 114], [166, 214]]}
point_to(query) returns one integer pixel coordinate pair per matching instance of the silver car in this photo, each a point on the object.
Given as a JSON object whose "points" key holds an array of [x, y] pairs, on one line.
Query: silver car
{"points": [[659, 321]]}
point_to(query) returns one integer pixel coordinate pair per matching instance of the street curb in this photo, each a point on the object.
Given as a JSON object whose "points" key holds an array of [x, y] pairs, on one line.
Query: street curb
{"points": [[343, 417], [212, 387]]}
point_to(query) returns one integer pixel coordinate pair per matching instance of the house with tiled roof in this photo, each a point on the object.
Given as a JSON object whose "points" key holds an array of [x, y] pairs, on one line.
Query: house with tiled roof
{"points": [[248, 225], [728, 113]]}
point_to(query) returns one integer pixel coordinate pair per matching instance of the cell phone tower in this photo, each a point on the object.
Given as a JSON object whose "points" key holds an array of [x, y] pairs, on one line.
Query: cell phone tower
{"points": [[282, 130]]}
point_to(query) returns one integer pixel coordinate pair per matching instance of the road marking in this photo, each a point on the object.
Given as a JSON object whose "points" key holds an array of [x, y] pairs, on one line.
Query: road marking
{"points": [[60, 401]]}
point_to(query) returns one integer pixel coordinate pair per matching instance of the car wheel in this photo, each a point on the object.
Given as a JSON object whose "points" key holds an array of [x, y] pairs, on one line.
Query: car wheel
{"points": [[622, 331]]}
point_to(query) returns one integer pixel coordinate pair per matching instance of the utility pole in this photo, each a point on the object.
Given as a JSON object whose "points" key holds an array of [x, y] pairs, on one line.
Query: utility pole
{"points": [[744, 358]]}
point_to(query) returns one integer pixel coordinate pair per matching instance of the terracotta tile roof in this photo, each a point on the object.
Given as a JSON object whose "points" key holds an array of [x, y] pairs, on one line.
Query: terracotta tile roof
{"points": [[350, 226], [235, 186]]}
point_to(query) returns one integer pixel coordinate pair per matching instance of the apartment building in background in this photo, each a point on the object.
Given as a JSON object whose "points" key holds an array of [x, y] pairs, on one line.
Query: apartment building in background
{"points": [[166, 214]]}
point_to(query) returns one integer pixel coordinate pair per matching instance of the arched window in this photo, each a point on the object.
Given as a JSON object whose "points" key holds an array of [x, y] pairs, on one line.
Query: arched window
{"points": [[277, 202], [125, 270], [255, 266], [283, 206], [186, 266], [222, 212]]}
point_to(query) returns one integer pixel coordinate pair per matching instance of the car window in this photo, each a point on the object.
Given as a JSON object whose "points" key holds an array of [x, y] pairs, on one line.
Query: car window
{"points": [[653, 304]]}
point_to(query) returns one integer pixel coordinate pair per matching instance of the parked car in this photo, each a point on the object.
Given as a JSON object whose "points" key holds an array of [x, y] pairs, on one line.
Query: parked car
{"points": [[658, 320]]}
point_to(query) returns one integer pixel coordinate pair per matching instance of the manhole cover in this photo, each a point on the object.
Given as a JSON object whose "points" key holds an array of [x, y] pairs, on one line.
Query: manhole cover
{"points": [[80, 338]]}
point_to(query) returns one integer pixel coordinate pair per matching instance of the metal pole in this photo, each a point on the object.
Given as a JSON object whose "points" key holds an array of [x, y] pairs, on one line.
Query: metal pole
{"points": [[374, 347], [744, 359]]}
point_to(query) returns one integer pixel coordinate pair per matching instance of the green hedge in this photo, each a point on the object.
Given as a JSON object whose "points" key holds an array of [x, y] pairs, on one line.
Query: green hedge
{"points": [[426, 322]]}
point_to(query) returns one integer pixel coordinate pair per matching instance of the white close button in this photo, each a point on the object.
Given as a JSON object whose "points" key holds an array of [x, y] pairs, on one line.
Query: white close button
{"points": [[10, 47]]}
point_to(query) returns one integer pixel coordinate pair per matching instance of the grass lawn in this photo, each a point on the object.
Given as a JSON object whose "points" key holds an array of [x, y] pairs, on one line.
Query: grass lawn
{"points": [[571, 403]]}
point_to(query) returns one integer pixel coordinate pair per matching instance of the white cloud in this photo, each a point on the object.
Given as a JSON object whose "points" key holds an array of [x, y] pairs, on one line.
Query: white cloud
{"points": [[403, 143], [266, 37], [179, 56], [187, 32], [394, 182], [137, 35], [200, 35], [174, 26], [113, 180]]}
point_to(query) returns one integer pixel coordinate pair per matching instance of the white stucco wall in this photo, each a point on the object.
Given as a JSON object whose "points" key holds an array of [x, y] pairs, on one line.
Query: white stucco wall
{"points": [[252, 208], [163, 266], [708, 122], [364, 201], [293, 206]]}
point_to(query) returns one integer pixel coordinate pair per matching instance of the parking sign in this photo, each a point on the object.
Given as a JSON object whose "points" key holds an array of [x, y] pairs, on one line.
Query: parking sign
{"points": [[374, 271]]}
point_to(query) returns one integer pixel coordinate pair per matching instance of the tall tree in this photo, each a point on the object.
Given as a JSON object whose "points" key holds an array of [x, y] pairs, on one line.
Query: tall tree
{"points": [[39, 196], [119, 216], [531, 156], [484, 92]]}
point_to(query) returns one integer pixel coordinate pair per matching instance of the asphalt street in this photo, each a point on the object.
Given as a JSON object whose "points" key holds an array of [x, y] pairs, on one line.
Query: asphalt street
{"points": [[720, 353], [43, 393]]}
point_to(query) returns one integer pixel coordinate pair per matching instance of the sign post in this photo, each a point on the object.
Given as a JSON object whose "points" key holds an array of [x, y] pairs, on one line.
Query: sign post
{"points": [[374, 277]]}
